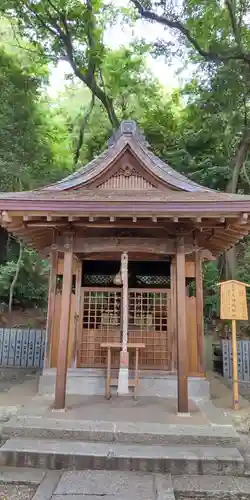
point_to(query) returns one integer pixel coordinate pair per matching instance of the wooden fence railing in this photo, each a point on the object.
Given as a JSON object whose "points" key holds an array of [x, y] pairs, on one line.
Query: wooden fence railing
{"points": [[22, 348]]}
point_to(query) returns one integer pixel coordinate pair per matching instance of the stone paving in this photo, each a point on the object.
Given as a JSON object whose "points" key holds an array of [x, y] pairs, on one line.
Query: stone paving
{"points": [[118, 409], [94, 485]]}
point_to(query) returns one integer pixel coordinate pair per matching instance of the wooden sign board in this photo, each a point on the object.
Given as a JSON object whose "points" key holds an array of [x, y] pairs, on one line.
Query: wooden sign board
{"points": [[233, 303]]}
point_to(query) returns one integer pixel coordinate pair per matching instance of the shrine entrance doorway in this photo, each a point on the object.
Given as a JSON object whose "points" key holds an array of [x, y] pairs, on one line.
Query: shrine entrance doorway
{"points": [[149, 313]]}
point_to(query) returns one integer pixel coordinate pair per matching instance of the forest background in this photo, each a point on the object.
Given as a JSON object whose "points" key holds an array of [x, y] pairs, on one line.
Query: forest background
{"points": [[200, 125]]}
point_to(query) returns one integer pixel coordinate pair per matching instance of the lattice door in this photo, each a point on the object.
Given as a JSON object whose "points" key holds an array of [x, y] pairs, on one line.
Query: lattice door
{"points": [[101, 321], [149, 310]]}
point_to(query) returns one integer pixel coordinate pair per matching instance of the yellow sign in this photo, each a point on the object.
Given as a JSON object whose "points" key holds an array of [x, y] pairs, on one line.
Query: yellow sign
{"points": [[233, 303]]}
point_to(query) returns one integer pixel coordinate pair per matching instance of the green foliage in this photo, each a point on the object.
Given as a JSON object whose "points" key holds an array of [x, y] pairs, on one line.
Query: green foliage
{"points": [[136, 95], [28, 139], [198, 130], [211, 279], [32, 284], [69, 30]]}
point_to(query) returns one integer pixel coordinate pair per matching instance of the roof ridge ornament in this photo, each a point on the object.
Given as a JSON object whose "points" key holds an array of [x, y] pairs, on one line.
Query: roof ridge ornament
{"points": [[128, 128]]}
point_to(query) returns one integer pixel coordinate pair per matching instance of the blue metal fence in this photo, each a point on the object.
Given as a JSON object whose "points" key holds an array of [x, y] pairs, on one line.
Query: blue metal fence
{"points": [[243, 351], [22, 347]]}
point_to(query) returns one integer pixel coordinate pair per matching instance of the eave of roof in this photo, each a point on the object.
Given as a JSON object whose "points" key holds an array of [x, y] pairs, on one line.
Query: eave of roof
{"points": [[100, 201]]}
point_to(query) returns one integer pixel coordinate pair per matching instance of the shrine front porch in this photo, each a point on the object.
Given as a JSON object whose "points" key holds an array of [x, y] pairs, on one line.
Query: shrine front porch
{"points": [[91, 382]]}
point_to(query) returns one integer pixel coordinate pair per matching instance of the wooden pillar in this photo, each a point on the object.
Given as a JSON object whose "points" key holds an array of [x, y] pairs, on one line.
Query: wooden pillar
{"points": [[182, 351], [51, 306], [62, 357], [199, 312], [77, 325], [173, 314]]}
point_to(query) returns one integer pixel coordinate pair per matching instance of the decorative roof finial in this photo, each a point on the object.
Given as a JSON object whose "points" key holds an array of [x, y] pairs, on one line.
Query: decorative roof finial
{"points": [[128, 128]]}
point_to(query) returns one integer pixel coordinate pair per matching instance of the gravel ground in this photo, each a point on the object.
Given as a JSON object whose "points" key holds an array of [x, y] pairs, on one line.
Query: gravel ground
{"points": [[16, 492], [10, 377], [244, 387]]}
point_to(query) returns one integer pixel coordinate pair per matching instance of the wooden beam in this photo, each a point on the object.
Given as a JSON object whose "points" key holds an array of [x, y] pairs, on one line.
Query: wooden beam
{"points": [[243, 218], [47, 224], [235, 229], [207, 255], [62, 358], [125, 244], [181, 320], [51, 306], [199, 312], [5, 217]]}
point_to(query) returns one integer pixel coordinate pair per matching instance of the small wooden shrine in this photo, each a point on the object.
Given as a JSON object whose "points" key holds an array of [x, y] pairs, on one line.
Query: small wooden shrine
{"points": [[126, 234]]}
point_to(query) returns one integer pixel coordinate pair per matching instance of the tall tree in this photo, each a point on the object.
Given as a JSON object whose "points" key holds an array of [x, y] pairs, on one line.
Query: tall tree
{"points": [[137, 95], [216, 35], [69, 30]]}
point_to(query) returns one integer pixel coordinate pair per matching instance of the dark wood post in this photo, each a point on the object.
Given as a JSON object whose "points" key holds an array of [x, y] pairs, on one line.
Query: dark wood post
{"points": [[199, 312], [173, 315], [182, 351], [51, 305], [62, 357], [77, 325]]}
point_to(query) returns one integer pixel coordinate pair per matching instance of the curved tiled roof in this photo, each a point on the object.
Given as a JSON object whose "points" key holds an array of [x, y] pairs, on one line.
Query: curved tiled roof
{"points": [[127, 137], [171, 196]]}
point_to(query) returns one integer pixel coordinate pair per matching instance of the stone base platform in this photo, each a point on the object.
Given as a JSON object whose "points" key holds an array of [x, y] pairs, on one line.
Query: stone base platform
{"points": [[89, 382], [94, 431], [125, 450], [67, 454]]}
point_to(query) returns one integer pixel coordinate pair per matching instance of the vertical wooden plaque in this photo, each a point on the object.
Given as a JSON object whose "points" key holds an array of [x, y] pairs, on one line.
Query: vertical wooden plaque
{"points": [[233, 304]]}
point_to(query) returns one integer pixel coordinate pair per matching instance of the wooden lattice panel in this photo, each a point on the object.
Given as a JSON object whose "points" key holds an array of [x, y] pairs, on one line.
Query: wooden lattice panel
{"points": [[126, 178], [101, 318], [148, 323]]}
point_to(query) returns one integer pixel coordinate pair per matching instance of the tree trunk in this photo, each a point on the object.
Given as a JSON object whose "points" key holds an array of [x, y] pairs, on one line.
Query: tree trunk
{"points": [[238, 161], [13, 284], [229, 258]]}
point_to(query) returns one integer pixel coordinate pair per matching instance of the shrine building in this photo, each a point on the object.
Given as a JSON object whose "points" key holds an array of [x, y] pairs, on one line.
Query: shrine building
{"points": [[127, 236]]}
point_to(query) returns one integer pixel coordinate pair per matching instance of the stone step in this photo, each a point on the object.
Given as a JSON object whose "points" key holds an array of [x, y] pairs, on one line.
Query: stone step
{"points": [[210, 488], [21, 475], [120, 432], [61, 454]]}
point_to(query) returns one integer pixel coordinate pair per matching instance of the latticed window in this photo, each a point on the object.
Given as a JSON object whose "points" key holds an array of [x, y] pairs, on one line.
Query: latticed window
{"points": [[99, 279], [148, 312]]}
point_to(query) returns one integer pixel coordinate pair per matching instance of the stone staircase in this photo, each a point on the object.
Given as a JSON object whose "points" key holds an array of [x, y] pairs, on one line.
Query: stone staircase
{"points": [[197, 461]]}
